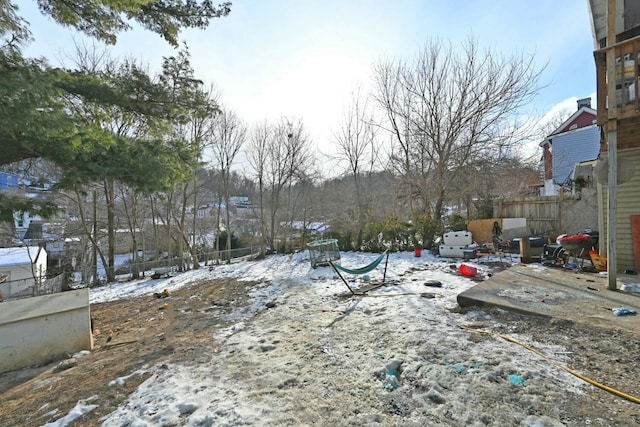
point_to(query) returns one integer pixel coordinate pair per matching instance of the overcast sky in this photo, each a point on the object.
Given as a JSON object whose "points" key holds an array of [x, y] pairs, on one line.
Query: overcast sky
{"points": [[304, 58]]}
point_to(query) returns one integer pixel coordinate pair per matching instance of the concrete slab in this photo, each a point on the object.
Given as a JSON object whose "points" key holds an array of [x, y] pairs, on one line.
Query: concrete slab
{"points": [[557, 293]]}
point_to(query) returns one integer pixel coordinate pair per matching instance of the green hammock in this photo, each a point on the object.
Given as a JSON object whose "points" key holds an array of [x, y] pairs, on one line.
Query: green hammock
{"points": [[362, 270]]}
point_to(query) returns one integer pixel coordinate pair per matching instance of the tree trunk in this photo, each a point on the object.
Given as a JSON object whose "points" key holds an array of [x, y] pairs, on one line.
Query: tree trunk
{"points": [[94, 240], [181, 229], [194, 246], [111, 230], [263, 226]]}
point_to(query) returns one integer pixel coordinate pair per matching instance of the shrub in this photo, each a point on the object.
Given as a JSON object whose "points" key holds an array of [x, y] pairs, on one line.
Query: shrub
{"points": [[457, 222], [426, 229], [390, 233]]}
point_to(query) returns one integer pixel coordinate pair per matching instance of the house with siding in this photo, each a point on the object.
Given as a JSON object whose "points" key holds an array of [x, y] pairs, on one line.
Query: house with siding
{"points": [[8, 181], [575, 141], [616, 35], [22, 267]]}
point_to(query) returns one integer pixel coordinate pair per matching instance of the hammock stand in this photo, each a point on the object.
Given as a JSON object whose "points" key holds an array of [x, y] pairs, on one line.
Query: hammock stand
{"points": [[362, 270]]}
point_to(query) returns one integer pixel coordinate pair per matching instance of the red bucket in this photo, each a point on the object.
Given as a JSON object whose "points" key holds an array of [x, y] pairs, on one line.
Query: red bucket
{"points": [[468, 270], [418, 252]]}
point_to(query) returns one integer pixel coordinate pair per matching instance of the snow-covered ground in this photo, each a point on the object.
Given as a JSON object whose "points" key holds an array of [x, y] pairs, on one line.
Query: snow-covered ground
{"points": [[397, 357]]}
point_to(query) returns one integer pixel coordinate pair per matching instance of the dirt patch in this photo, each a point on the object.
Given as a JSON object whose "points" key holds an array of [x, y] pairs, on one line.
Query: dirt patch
{"points": [[129, 335], [607, 356]]}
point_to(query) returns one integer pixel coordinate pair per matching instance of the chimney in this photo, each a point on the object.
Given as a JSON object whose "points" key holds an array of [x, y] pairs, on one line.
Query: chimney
{"points": [[584, 102]]}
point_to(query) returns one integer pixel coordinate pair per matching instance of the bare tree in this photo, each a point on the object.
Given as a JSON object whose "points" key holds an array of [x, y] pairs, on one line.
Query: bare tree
{"points": [[551, 122], [277, 175], [305, 203], [357, 146], [299, 163], [131, 208], [228, 135], [449, 109], [394, 97], [193, 132], [116, 121], [257, 153], [280, 156]]}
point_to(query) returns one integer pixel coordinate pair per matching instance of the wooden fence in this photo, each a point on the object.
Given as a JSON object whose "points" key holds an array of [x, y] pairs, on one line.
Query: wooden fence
{"points": [[552, 215], [542, 213]]}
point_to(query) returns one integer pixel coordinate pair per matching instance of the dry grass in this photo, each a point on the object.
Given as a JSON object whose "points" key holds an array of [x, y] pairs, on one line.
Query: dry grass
{"points": [[129, 335]]}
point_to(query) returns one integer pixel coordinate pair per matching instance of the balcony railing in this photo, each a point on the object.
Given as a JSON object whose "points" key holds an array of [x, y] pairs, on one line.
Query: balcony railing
{"points": [[627, 78]]}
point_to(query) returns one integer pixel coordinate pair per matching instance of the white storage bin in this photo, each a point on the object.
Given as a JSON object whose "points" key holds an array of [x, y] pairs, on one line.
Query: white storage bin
{"points": [[451, 251], [457, 238]]}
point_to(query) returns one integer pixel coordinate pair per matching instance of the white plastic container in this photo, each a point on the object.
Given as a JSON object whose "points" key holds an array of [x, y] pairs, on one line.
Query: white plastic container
{"points": [[457, 238], [451, 251]]}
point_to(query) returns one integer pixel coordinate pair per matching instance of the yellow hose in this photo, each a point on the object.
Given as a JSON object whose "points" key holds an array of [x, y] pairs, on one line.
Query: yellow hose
{"points": [[574, 373]]}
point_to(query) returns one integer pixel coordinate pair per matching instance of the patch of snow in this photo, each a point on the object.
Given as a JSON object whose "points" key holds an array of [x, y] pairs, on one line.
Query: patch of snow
{"points": [[77, 411], [399, 355], [122, 380], [80, 353], [630, 287]]}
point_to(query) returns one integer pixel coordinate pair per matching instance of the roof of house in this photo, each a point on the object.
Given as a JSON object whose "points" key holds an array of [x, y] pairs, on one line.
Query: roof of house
{"points": [[582, 110], [563, 127], [23, 255], [571, 147], [319, 227]]}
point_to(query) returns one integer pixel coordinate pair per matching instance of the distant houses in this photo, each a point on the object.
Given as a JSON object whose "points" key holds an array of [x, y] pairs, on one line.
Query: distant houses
{"points": [[313, 228], [22, 268], [8, 181]]}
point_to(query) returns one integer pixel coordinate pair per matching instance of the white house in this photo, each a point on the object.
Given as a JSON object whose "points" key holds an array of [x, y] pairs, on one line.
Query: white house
{"points": [[21, 268]]}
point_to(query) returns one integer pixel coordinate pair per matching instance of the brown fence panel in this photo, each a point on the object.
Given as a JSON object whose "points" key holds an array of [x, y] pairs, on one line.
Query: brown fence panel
{"points": [[542, 213]]}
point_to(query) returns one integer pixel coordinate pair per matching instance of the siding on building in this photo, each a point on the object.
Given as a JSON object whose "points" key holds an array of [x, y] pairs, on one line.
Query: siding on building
{"points": [[628, 204], [573, 147], [582, 120], [8, 181]]}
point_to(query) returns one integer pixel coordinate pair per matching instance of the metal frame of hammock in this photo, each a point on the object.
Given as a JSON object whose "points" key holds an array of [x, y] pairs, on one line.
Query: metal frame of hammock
{"points": [[362, 270]]}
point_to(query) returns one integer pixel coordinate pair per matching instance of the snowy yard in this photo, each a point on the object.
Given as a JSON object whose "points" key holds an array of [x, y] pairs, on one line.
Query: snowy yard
{"points": [[303, 353]]}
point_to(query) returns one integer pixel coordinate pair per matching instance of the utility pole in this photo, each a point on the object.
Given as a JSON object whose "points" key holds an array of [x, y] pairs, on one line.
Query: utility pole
{"points": [[612, 144]]}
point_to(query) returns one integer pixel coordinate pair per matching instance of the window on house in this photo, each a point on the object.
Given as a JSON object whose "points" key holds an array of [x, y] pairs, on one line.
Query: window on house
{"points": [[573, 126]]}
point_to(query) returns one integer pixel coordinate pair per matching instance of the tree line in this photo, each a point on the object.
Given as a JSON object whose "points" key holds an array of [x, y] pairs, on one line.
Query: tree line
{"points": [[134, 149]]}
